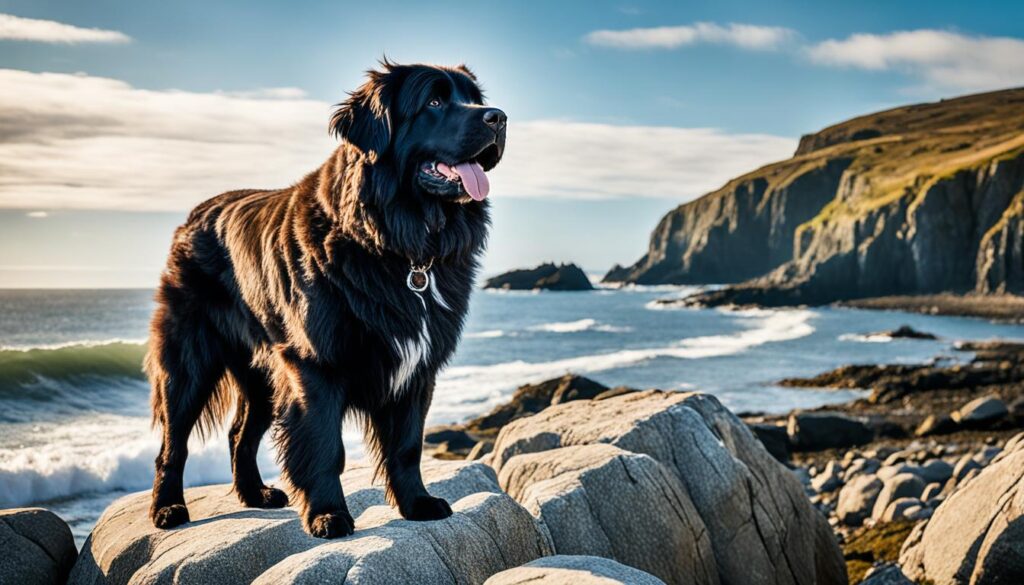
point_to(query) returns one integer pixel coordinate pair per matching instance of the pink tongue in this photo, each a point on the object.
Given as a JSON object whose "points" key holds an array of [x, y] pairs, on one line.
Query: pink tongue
{"points": [[473, 179]]}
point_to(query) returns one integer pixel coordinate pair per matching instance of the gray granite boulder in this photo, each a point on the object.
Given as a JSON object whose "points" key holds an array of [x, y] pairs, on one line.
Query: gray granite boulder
{"points": [[602, 501], [976, 536], [981, 411], [901, 485], [761, 526], [37, 547], [857, 499], [227, 544], [573, 570], [936, 471], [814, 431], [902, 509], [886, 575]]}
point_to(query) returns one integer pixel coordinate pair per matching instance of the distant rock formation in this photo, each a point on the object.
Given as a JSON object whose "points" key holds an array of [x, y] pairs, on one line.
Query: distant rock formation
{"points": [[915, 200], [547, 276]]}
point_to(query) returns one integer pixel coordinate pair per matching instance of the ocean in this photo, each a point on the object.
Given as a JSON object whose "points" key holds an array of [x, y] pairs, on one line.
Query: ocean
{"points": [[74, 407]]}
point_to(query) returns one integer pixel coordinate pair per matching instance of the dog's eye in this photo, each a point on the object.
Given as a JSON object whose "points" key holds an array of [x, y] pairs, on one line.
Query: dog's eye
{"points": [[435, 103]]}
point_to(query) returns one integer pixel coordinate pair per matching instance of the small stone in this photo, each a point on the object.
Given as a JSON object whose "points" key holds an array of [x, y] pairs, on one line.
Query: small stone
{"points": [[981, 411], [887, 472], [887, 574], [828, 480], [903, 485], [899, 509], [964, 466], [936, 425], [936, 470], [986, 455], [857, 498], [861, 466], [931, 491]]}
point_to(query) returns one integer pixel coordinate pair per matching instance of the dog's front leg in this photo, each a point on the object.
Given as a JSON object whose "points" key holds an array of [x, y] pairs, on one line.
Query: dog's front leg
{"points": [[311, 451], [398, 428]]}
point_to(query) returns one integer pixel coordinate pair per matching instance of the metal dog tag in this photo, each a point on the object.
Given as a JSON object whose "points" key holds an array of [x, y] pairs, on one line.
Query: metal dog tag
{"points": [[418, 279]]}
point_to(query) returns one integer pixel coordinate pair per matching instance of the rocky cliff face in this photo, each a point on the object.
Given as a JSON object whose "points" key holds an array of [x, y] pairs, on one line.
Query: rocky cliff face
{"points": [[922, 199]]}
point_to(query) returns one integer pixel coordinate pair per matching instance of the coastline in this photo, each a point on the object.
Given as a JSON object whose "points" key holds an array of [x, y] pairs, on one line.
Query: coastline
{"points": [[999, 308], [1004, 308], [935, 425]]}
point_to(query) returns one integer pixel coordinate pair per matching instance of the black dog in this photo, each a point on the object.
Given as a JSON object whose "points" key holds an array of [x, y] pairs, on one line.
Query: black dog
{"points": [[343, 293]]}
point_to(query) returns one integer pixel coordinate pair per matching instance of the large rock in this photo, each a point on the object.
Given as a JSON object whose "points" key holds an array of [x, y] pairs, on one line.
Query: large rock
{"points": [[461, 439], [814, 431], [574, 570], [976, 536], [761, 526], [857, 499], [37, 547], [226, 543], [774, 438], [602, 501]]}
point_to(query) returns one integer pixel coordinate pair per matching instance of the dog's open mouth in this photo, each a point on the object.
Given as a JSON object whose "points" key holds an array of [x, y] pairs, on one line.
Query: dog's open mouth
{"points": [[469, 174]]}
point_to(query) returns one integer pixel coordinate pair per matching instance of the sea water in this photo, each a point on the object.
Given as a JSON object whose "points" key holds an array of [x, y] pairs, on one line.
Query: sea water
{"points": [[74, 406]]}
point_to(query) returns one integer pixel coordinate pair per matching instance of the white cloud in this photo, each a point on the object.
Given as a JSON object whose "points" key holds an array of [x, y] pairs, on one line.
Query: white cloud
{"points": [[941, 58], [37, 214], [746, 36], [600, 161], [89, 142], [16, 28], [76, 141]]}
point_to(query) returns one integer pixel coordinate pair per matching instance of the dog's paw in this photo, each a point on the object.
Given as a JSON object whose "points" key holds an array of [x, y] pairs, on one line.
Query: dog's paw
{"points": [[273, 498], [265, 497], [170, 516], [331, 524], [427, 508]]}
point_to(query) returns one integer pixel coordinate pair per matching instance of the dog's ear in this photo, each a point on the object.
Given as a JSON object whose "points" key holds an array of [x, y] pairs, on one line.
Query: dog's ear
{"points": [[364, 119]]}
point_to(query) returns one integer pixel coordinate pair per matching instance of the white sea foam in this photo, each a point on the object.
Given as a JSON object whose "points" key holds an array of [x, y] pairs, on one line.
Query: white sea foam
{"points": [[578, 326], [865, 338], [111, 453], [489, 383], [489, 334]]}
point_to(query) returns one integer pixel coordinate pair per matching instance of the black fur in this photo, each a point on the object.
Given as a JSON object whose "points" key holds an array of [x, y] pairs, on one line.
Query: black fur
{"points": [[292, 305]]}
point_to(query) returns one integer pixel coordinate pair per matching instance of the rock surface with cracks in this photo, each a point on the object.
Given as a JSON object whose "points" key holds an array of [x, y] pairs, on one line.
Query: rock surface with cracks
{"points": [[761, 527]]}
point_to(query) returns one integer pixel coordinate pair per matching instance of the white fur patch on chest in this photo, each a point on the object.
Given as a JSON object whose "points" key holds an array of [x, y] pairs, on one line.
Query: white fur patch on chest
{"points": [[411, 353], [436, 294]]}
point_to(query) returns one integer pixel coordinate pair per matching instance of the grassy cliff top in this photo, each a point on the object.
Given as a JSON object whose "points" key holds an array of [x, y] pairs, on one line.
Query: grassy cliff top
{"points": [[899, 152]]}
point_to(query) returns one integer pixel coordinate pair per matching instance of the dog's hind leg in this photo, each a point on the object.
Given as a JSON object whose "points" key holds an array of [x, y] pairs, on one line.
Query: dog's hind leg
{"points": [[253, 415], [397, 434], [184, 366]]}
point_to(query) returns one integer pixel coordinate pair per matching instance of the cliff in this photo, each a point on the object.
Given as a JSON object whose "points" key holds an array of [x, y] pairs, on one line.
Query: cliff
{"points": [[915, 200]]}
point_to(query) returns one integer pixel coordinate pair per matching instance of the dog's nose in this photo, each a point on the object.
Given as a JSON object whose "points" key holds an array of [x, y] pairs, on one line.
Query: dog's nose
{"points": [[495, 118]]}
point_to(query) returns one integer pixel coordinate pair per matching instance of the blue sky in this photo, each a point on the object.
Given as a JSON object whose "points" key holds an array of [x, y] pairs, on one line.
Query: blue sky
{"points": [[122, 115]]}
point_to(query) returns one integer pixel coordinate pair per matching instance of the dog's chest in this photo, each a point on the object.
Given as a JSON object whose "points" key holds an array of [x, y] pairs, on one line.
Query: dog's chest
{"points": [[427, 344]]}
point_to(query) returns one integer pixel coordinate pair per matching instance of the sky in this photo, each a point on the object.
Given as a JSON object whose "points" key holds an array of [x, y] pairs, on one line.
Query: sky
{"points": [[116, 117]]}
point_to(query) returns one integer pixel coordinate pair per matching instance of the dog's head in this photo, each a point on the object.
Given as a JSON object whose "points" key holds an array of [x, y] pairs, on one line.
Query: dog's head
{"points": [[429, 125]]}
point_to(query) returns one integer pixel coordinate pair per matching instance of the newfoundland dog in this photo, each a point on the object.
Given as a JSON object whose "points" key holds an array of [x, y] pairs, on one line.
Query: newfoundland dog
{"points": [[344, 293]]}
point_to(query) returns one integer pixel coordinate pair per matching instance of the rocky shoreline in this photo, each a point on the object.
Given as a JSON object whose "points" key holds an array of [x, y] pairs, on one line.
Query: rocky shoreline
{"points": [[920, 481], [876, 467], [1002, 308]]}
